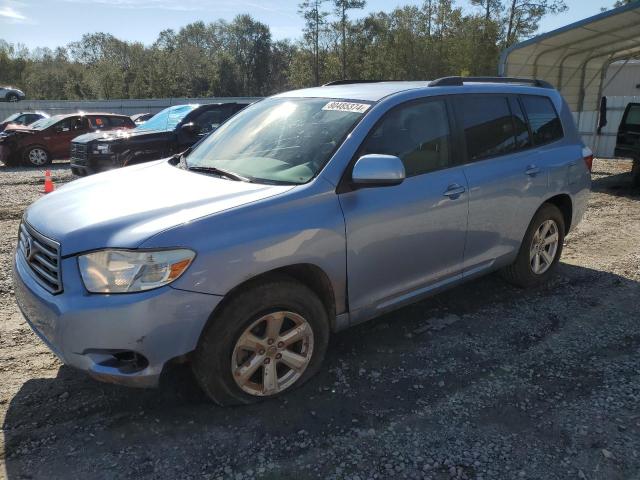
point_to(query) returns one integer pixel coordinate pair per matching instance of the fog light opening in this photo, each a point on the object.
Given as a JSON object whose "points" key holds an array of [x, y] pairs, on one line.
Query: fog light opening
{"points": [[126, 361]]}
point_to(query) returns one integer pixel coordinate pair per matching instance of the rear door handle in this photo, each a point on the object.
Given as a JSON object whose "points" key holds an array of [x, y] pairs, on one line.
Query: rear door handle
{"points": [[532, 170], [454, 191]]}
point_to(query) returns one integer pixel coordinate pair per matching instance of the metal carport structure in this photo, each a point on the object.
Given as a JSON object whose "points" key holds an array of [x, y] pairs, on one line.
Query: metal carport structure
{"points": [[575, 58]]}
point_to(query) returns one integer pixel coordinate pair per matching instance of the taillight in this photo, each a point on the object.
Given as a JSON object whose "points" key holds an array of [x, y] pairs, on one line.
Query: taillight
{"points": [[587, 156]]}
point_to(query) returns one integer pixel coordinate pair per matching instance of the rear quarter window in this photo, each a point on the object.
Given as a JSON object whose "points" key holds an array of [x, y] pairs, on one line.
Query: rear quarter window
{"points": [[543, 119]]}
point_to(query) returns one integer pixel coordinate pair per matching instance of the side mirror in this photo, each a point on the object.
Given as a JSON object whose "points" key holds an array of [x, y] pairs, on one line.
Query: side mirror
{"points": [[191, 128], [378, 170]]}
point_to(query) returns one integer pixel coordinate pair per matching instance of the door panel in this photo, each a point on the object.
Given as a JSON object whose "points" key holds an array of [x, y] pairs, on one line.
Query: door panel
{"points": [[402, 239], [507, 179], [502, 201], [59, 136]]}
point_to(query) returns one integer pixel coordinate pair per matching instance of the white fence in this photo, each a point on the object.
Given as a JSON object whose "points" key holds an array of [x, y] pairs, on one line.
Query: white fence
{"points": [[603, 145], [126, 107]]}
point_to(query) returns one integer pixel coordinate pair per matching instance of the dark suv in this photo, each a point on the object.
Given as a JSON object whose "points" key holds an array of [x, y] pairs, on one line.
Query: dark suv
{"points": [[628, 141], [170, 131]]}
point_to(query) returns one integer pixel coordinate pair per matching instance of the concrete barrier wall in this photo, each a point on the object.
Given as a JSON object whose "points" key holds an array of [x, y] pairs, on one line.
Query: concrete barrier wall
{"points": [[126, 107]]}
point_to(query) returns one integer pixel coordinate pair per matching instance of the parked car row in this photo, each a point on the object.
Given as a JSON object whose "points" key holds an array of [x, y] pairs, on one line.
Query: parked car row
{"points": [[170, 131], [102, 141]]}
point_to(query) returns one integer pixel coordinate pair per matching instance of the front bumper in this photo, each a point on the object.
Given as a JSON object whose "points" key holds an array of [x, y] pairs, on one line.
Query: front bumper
{"points": [[94, 163], [92, 331]]}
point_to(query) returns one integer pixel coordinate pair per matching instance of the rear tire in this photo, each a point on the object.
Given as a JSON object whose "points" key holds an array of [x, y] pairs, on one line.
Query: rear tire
{"points": [[540, 249], [232, 374], [36, 157]]}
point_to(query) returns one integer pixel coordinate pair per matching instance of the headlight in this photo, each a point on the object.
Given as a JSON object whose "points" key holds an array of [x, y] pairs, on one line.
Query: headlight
{"points": [[121, 271], [102, 148]]}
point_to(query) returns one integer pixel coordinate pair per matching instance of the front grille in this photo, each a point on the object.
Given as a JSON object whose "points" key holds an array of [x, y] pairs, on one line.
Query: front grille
{"points": [[43, 257], [78, 153]]}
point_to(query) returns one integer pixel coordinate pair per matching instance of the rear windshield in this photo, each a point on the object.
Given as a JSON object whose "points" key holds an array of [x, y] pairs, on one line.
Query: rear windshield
{"points": [[167, 119]]}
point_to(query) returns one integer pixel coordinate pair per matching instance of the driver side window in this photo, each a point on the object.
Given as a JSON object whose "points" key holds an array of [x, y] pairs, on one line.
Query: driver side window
{"points": [[418, 133]]}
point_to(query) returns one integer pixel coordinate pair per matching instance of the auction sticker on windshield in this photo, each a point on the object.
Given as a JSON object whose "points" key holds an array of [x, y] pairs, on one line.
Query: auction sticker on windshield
{"points": [[347, 107]]}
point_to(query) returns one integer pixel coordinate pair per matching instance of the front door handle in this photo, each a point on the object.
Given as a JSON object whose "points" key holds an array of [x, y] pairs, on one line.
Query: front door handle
{"points": [[532, 170], [454, 191]]}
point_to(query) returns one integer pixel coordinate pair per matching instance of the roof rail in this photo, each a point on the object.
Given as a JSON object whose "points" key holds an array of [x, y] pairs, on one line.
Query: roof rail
{"points": [[460, 81], [349, 82]]}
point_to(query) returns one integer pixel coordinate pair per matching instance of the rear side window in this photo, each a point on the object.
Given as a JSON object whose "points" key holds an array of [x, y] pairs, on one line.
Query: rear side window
{"points": [[631, 120], [488, 126], [98, 122], [119, 122], [543, 119], [211, 119], [418, 133]]}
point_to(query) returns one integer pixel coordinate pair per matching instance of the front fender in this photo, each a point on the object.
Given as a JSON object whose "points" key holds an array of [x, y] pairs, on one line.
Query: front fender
{"points": [[302, 226]]}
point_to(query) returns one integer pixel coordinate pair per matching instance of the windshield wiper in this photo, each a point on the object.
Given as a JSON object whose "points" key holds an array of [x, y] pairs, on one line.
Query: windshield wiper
{"points": [[220, 172]]}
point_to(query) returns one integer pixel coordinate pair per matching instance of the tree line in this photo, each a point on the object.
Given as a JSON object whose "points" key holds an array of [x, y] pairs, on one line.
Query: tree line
{"points": [[241, 58]]}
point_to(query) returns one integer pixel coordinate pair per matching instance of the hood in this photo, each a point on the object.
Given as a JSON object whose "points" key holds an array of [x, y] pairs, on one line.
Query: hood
{"points": [[18, 128], [113, 135], [124, 207]]}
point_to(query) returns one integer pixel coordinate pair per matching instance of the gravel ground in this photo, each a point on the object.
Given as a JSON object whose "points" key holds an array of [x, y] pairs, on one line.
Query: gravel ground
{"points": [[484, 381]]}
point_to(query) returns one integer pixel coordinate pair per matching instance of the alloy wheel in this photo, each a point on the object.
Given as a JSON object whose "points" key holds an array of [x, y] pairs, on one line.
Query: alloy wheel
{"points": [[37, 156], [544, 247], [272, 353]]}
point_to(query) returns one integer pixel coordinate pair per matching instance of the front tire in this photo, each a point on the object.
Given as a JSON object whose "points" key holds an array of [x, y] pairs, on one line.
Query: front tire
{"points": [[36, 157], [540, 250], [268, 339], [12, 97]]}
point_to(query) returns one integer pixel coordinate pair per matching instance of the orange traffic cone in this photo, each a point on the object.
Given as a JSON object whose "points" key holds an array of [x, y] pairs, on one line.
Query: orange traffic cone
{"points": [[48, 183]]}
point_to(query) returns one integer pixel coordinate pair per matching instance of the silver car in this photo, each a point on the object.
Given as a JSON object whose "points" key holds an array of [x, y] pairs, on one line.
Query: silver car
{"points": [[11, 94], [304, 214]]}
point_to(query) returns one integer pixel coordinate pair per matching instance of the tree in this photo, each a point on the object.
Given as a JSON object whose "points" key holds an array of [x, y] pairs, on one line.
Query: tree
{"points": [[315, 21], [523, 17], [490, 8], [341, 8]]}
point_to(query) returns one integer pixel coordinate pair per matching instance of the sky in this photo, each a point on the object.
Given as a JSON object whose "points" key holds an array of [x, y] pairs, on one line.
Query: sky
{"points": [[51, 23]]}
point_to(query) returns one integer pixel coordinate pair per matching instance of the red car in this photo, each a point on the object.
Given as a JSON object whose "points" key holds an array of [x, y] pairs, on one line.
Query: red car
{"points": [[50, 138]]}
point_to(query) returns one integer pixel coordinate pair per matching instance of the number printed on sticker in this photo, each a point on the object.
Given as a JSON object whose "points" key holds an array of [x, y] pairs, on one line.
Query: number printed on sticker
{"points": [[347, 107]]}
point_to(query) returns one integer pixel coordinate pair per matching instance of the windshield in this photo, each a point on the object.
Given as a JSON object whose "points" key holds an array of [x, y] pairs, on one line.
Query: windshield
{"points": [[167, 119], [284, 140], [46, 122]]}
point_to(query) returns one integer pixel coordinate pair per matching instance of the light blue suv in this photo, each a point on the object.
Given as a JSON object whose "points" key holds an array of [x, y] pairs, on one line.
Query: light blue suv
{"points": [[303, 214]]}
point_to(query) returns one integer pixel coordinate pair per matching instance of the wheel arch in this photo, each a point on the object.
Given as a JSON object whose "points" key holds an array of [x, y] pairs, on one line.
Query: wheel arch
{"points": [[565, 205], [308, 274]]}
